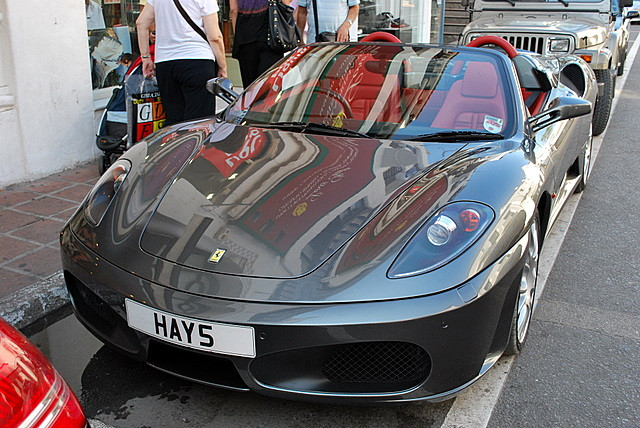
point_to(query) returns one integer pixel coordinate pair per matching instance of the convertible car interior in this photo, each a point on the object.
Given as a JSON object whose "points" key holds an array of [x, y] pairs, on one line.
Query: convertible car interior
{"points": [[387, 92]]}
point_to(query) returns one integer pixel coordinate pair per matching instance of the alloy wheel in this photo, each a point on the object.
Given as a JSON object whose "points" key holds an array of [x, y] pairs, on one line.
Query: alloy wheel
{"points": [[527, 291]]}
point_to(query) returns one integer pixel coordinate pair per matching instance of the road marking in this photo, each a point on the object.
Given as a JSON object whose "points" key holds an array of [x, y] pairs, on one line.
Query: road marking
{"points": [[473, 407]]}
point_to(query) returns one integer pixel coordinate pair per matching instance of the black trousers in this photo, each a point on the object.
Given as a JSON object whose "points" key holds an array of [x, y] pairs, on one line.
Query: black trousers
{"points": [[183, 89], [255, 58]]}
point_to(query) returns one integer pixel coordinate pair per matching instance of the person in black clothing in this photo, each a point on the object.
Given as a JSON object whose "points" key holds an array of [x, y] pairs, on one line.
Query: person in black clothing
{"points": [[250, 23]]}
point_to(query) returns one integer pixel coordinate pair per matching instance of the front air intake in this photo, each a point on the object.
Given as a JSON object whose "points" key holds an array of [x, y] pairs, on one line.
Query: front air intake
{"points": [[377, 362]]}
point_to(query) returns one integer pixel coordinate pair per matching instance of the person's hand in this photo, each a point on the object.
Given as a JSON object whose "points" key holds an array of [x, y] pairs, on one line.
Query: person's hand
{"points": [[222, 72], [342, 35], [148, 68]]}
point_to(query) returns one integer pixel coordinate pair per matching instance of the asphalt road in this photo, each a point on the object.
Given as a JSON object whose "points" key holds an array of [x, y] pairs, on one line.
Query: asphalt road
{"points": [[579, 368]]}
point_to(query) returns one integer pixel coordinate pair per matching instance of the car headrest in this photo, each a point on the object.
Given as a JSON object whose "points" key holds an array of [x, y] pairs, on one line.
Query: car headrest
{"points": [[480, 80], [530, 77], [377, 67], [340, 66]]}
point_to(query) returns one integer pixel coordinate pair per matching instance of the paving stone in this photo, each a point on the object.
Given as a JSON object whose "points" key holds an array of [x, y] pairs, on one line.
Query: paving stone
{"points": [[11, 248], [74, 193], [10, 282], [81, 174], [11, 197], [65, 215], [43, 231], [46, 185], [46, 206], [43, 263], [10, 220]]}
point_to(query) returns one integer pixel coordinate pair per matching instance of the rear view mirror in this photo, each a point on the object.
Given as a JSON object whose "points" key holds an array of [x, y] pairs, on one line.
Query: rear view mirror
{"points": [[560, 108], [626, 3], [465, 3], [223, 88]]}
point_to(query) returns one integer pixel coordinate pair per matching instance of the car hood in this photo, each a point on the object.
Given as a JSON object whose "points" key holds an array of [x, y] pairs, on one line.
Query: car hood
{"points": [[273, 204]]}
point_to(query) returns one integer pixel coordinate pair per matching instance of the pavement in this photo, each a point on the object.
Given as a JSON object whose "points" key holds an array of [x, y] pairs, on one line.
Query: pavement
{"points": [[31, 216]]}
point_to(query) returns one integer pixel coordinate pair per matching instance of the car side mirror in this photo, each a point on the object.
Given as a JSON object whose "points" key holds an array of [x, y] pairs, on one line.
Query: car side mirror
{"points": [[560, 108], [465, 3], [223, 88], [632, 14], [626, 3]]}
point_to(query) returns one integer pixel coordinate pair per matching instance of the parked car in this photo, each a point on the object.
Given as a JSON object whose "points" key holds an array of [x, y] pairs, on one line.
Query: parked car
{"points": [[32, 393], [595, 30], [362, 224], [634, 8]]}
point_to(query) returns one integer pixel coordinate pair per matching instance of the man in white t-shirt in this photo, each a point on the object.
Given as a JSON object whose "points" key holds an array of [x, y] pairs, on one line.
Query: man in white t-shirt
{"points": [[184, 60], [334, 16], [95, 18]]}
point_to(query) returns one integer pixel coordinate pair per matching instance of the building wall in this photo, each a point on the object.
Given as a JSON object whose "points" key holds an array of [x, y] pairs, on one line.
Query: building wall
{"points": [[46, 100]]}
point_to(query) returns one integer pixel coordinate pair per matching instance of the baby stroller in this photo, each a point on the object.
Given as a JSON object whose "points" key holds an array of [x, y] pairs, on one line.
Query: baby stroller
{"points": [[121, 127]]}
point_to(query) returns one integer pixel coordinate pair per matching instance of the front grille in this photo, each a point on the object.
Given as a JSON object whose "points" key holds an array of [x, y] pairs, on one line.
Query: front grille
{"points": [[375, 362], [529, 43]]}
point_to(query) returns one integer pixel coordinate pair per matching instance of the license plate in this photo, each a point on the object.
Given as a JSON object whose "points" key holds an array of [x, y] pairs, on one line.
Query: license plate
{"points": [[192, 333]]}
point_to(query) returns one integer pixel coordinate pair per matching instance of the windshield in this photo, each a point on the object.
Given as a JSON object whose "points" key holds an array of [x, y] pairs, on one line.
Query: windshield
{"points": [[382, 91]]}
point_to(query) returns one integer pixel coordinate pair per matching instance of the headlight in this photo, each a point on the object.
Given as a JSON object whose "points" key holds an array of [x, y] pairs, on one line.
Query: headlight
{"points": [[105, 190], [445, 236], [559, 45]]}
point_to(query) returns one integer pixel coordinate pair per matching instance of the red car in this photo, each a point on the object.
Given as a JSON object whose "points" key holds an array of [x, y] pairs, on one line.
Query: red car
{"points": [[32, 392]]}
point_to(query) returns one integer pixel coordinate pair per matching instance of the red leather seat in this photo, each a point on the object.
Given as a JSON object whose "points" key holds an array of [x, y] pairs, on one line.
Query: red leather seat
{"points": [[378, 94], [473, 100]]}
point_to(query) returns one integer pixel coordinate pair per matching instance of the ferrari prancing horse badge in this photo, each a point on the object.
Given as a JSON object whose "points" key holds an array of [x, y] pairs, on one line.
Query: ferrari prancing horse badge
{"points": [[217, 255]]}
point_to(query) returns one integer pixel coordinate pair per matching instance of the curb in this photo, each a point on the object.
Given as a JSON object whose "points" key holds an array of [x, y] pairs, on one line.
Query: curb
{"points": [[37, 306]]}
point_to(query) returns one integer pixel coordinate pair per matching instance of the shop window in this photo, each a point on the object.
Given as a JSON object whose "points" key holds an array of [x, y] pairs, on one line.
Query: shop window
{"points": [[111, 26], [412, 21]]}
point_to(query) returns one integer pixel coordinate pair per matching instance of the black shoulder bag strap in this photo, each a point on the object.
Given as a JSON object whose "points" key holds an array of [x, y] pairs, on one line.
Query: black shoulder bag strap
{"points": [[190, 21], [315, 17]]}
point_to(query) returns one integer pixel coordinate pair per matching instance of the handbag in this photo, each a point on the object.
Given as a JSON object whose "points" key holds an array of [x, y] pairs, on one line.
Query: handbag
{"points": [[326, 36], [283, 34]]}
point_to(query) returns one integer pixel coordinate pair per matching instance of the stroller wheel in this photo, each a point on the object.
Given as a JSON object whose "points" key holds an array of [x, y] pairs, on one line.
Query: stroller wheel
{"points": [[104, 164]]}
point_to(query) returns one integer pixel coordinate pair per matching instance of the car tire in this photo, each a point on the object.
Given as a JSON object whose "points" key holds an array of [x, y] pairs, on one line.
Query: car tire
{"points": [[603, 104], [526, 291], [586, 163]]}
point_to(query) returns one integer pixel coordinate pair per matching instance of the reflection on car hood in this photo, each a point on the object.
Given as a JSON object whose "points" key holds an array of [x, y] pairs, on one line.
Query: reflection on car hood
{"points": [[268, 203]]}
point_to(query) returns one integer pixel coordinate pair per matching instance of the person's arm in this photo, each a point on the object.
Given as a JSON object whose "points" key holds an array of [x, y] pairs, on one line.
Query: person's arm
{"points": [[301, 19], [144, 21], [233, 13], [214, 36], [342, 35]]}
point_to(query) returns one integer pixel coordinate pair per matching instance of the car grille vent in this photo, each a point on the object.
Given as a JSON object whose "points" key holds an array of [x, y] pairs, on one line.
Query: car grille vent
{"points": [[374, 362], [528, 43]]}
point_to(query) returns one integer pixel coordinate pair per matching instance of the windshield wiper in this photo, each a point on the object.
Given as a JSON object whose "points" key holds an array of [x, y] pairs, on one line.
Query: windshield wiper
{"points": [[312, 128], [456, 136], [564, 2]]}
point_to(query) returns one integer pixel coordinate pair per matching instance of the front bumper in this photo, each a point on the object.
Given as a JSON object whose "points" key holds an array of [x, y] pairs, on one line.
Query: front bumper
{"points": [[424, 348]]}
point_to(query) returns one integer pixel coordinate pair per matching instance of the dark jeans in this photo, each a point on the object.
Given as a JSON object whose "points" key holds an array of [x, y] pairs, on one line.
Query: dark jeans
{"points": [[255, 58], [183, 89]]}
